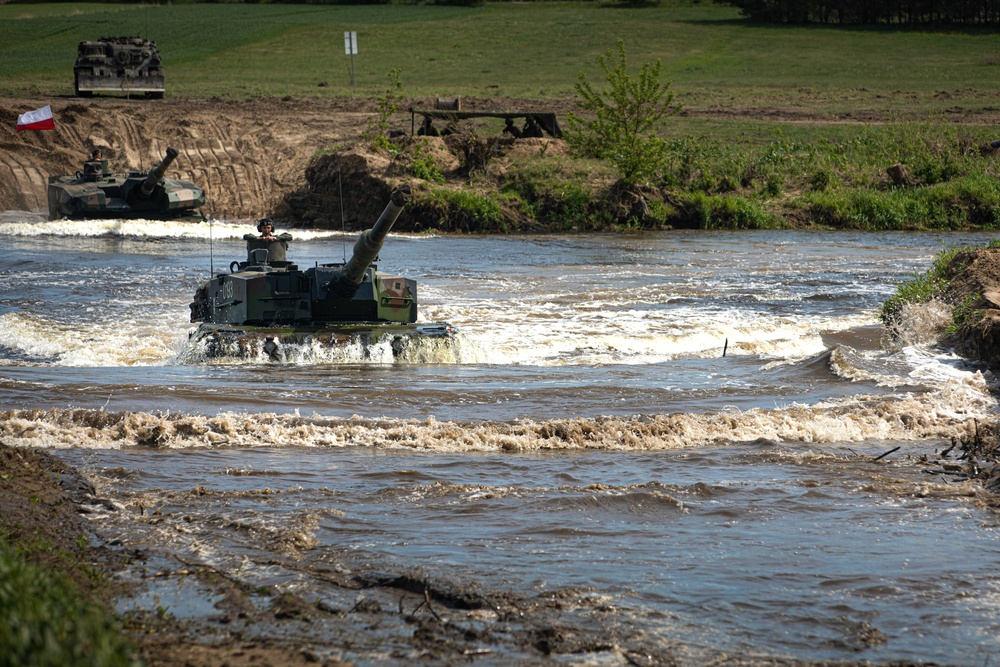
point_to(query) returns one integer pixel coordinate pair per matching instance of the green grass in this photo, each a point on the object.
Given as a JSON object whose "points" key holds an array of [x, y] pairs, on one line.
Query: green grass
{"points": [[931, 284], [44, 620], [742, 174], [533, 50]]}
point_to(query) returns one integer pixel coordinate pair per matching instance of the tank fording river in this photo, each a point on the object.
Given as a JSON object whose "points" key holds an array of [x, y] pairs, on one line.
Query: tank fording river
{"points": [[266, 303], [97, 192]]}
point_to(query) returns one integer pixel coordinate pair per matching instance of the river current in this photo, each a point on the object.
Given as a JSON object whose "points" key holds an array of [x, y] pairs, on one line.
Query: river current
{"points": [[679, 428]]}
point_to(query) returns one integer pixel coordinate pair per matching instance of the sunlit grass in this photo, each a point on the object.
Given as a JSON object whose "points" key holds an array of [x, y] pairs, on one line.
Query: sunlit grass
{"points": [[531, 50]]}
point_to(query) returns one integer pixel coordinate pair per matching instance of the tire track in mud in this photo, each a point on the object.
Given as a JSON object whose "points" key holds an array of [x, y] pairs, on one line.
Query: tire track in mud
{"points": [[236, 178], [247, 155], [27, 182]]}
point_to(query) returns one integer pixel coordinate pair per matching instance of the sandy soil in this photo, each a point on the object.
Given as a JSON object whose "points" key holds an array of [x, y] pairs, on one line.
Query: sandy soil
{"points": [[248, 155]]}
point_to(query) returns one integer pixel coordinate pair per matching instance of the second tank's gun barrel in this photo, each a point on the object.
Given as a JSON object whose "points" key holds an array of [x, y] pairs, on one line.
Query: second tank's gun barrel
{"points": [[369, 243], [157, 172]]}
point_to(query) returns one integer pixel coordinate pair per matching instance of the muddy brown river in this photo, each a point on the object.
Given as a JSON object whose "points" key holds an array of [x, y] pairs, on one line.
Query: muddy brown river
{"points": [[642, 449]]}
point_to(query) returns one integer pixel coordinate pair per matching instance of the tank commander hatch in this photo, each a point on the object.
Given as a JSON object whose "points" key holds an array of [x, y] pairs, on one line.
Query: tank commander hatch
{"points": [[266, 228], [96, 166]]}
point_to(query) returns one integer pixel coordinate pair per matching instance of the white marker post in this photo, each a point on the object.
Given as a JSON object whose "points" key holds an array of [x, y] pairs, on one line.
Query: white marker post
{"points": [[350, 48]]}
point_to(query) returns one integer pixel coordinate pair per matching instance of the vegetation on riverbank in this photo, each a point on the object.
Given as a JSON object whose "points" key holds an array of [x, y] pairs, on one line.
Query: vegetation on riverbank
{"points": [[956, 303], [745, 174], [47, 622], [52, 588], [896, 176]]}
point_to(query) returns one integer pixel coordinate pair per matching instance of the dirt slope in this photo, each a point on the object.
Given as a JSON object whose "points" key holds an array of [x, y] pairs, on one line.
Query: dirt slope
{"points": [[974, 291], [246, 155]]}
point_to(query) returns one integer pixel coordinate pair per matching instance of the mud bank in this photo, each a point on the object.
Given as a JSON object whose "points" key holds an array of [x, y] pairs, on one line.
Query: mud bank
{"points": [[973, 292], [252, 157], [388, 616], [247, 155]]}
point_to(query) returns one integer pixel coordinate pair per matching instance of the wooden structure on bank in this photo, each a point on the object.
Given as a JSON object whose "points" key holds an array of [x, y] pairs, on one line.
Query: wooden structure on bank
{"points": [[535, 124]]}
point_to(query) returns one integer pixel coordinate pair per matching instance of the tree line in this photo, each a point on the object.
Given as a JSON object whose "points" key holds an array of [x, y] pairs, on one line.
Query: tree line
{"points": [[872, 12]]}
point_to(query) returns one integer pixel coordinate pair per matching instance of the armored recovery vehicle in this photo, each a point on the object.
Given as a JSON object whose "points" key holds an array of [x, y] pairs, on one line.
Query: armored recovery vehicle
{"points": [[267, 303], [118, 65], [96, 192]]}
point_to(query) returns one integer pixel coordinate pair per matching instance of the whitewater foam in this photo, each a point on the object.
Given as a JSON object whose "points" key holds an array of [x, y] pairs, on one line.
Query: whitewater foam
{"points": [[949, 412]]}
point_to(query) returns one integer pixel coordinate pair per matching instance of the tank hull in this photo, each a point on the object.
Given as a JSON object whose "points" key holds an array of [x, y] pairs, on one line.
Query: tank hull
{"points": [[69, 198], [277, 343], [97, 192]]}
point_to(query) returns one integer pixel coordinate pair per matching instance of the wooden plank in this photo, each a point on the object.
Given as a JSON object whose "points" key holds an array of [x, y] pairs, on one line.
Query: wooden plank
{"points": [[546, 120]]}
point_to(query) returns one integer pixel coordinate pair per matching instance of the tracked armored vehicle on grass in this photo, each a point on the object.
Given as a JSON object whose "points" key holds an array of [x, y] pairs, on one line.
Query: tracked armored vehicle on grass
{"points": [[97, 192], [267, 304], [128, 65]]}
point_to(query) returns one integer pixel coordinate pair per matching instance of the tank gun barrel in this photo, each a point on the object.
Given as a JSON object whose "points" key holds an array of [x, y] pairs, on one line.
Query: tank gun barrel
{"points": [[369, 243], [157, 172]]}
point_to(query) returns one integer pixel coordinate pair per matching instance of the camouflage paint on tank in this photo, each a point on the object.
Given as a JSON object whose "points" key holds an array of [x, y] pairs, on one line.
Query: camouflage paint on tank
{"points": [[97, 192], [268, 300], [118, 65]]}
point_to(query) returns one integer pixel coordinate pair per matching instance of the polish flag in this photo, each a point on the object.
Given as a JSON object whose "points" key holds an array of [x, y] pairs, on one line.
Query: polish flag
{"points": [[39, 119]]}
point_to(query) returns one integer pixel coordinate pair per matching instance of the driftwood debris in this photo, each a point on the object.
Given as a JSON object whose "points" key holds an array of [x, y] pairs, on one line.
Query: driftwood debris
{"points": [[978, 459], [884, 454]]}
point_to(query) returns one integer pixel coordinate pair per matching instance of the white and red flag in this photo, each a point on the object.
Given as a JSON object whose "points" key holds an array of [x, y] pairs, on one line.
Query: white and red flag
{"points": [[39, 119]]}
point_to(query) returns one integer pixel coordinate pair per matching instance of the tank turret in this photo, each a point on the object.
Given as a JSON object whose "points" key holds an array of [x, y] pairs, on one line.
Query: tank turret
{"points": [[368, 245], [158, 172], [267, 298], [97, 192]]}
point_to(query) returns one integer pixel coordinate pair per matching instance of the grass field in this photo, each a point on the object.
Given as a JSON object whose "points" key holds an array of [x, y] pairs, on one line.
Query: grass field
{"points": [[533, 50]]}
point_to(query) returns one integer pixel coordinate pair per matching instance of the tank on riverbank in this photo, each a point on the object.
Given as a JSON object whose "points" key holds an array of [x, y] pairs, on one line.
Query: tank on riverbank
{"points": [[266, 303], [128, 65], [97, 192]]}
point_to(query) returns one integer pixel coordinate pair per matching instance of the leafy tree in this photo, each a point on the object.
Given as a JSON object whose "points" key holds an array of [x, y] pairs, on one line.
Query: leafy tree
{"points": [[625, 118]]}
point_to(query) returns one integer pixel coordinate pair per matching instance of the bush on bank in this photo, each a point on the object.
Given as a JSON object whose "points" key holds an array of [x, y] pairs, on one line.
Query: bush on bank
{"points": [[949, 181], [44, 620]]}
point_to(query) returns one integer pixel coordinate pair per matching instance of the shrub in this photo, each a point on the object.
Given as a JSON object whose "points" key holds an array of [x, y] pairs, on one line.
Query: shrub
{"points": [[462, 210], [625, 119], [423, 165], [821, 180], [377, 132], [44, 621], [730, 212]]}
